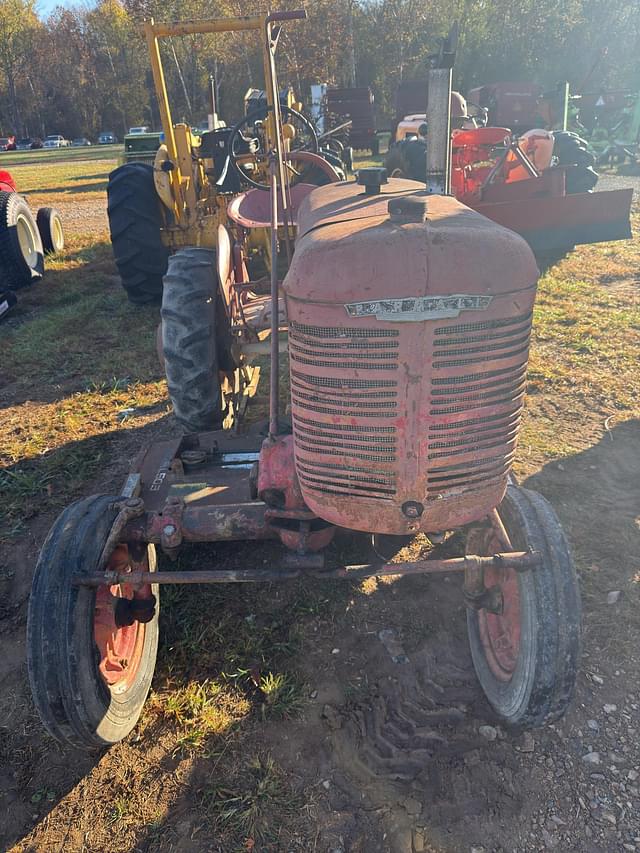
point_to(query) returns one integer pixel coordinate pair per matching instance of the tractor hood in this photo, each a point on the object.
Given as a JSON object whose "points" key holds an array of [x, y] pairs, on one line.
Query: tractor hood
{"points": [[350, 247]]}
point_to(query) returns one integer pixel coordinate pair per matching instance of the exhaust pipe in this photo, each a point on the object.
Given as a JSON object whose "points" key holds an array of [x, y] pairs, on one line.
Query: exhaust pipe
{"points": [[439, 117]]}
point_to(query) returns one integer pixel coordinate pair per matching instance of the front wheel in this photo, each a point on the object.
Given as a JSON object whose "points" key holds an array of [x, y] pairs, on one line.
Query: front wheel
{"points": [[90, 661], [526, 657]]}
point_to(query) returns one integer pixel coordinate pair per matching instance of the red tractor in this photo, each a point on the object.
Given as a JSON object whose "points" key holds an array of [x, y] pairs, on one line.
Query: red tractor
{"points": [[537, 182], [24, 241], [408, 318]]}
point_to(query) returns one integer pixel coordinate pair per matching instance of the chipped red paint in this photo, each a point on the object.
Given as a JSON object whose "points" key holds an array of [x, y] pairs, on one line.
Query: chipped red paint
{"points": [[277, 480], [119, 648], [279, 488]]}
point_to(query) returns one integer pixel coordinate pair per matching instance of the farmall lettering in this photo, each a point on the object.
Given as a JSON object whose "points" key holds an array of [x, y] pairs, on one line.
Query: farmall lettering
{"points": [[162, 472], [418, 308]]}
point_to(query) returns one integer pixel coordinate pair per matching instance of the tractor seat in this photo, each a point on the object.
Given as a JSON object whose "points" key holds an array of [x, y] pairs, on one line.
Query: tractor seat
{"points": [[256, 312], [252, 209], [243, 306]]}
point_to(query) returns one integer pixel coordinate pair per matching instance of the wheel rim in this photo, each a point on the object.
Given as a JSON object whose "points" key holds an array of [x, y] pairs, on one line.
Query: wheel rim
{"points": [[119, 648], [27, 240], [500, 632], [58, 236]]}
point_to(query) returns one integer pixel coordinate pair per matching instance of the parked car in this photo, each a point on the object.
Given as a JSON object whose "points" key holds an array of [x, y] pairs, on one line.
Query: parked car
{"points": [[56, 141], [107, 137], [7, 143], [81, 142], [134, 131], [24, 144]]}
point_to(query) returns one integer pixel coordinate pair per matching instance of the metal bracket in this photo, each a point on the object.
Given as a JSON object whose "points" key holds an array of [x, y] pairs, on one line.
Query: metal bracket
{"points": [[171, 532], [130, 508], [490, 600]]}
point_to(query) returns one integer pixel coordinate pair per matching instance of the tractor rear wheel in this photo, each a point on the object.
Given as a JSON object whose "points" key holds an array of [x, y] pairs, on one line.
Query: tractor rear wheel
{"points": [[89, 672], [189, 345], [407, 159], [21, 251], [526, 657], [135, 221]]}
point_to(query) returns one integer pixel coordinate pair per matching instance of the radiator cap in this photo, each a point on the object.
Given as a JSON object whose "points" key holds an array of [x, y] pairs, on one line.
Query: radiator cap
{"points": [[372, 179], [408, 208]]}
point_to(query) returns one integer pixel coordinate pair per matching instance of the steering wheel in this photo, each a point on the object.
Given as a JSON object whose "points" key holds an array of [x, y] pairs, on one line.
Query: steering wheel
{"points": [[247, 147]]}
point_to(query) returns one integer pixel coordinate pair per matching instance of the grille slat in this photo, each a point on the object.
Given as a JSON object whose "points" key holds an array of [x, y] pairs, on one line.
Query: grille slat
{"points": [[339, 332], [362, 447], [348, 365], [445, 352], [484, 324], [478, 449]]}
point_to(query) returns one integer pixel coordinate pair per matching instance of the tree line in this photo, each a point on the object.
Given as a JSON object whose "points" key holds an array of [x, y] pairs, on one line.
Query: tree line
{"points": [[86, 69]]}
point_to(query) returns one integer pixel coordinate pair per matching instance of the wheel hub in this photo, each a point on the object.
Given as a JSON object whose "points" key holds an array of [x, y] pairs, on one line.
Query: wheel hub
{"points": [[27, 241], [119, 645], [500, 632]]}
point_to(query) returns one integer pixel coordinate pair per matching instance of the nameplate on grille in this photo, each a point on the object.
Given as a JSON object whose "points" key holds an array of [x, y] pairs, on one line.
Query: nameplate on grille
{"points": [[416, 308]]}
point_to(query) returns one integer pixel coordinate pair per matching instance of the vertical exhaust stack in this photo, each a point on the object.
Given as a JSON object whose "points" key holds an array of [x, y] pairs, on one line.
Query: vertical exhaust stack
{"points": [[439, 117]]}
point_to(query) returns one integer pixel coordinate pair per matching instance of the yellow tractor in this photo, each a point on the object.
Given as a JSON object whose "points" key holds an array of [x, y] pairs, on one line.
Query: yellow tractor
{"points": [[182, 228]]}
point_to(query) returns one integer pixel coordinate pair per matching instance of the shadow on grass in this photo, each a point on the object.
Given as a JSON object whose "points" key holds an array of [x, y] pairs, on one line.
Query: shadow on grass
{"points": [[76, 330], [73, 189]]}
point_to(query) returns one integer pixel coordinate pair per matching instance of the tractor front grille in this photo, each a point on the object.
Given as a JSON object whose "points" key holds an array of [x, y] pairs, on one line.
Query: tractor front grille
{"points": [[408, 413], [466, 449], [341, 418]]}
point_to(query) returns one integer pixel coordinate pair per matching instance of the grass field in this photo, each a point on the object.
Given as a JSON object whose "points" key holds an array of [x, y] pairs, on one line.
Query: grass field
{"points": [[226, 755], [42, 156]]}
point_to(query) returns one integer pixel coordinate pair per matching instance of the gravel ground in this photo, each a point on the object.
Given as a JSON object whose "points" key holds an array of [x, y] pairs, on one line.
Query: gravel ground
{"points": [[609, 181]]}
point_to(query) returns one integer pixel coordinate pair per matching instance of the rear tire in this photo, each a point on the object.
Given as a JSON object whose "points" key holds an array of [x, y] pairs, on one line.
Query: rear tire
{"points": [[526, 658], [135, 223], [71, 695], [189, 302], [21, 250], [50, 228], [407, 159]]}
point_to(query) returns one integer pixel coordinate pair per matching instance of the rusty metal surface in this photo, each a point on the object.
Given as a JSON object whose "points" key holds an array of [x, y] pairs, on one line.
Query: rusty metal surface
{"points": [[407, 426], [207, 523], [346, 201], [575, 218], [128, 509], [519, 560], [222, 478]]}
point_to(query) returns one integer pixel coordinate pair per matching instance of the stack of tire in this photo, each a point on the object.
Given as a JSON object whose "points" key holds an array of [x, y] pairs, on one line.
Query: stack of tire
{"points": [[569, 149], [24, 241]]}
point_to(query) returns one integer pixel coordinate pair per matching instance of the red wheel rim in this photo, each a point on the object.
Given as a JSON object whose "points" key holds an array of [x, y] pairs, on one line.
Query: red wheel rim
{"points": [[120, 648], [500, 632]]}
